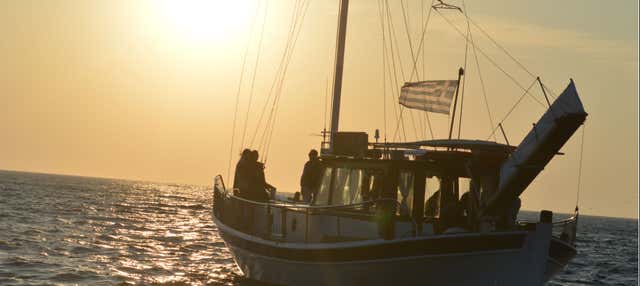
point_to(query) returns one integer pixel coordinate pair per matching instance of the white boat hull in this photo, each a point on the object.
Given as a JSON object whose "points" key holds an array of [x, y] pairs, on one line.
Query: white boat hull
{"points": [[283, 263]]}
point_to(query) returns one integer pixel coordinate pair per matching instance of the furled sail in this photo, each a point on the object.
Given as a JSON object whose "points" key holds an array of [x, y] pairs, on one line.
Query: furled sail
{"points": [[535, 151], [433, 95]]}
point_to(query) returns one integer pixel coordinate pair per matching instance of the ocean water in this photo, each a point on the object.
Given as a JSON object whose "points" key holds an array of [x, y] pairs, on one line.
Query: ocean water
{"points": [[63, 230]]}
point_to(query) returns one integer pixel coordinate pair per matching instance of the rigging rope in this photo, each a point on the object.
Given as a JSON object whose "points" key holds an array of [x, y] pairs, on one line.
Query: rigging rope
{"points": [[398, 127], [580, 165], [275, 82], [304, 7], [391, 29], [414, 59], [484, 92], [235, 113], [280, 80], [266, 135], [384, 70], [429, 124], [423, 119], [413, 55], [512, 108], [506, 51], [423, 37], [255, 71], [501, 47], [420, 50], [326, 101], [424, 66], [491, 60], [394, 39], [464, 82]]}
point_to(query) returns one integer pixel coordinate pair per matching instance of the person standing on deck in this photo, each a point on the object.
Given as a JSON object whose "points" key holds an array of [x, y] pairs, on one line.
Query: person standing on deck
{"points": [[241, 177], [310, 177], [258, 185]]}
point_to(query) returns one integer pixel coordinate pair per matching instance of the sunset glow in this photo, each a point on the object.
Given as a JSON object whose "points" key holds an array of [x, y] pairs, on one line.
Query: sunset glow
{"points": [[209, 21], [148, 89]]}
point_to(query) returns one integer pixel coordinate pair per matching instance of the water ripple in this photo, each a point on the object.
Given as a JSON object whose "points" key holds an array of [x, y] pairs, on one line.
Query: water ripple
{"points": [[87, 231]]}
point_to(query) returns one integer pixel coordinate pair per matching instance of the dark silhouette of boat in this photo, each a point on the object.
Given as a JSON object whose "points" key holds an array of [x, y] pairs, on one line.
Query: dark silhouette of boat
{"points": [[436, 212]]}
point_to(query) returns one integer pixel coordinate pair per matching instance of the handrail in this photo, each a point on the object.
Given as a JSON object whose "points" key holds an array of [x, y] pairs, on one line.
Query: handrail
{"points": [[564, 221], [307, 209], [286, 204], [219, 177], [283, 204], [567, 220]]}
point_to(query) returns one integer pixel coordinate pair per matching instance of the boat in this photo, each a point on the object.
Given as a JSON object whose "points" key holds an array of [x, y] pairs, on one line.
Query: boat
{"points": [[376, 219]]}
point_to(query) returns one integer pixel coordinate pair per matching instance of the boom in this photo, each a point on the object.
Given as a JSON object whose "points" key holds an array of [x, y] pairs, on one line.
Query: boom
{"points": [[535, 151]]}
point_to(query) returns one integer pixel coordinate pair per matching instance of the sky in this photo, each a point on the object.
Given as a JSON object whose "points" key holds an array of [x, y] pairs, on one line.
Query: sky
{"points": [[147, 90]]}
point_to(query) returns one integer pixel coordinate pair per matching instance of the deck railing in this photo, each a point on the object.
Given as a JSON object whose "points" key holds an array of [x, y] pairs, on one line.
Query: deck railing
{"points": [[246, 215], [566, 229]]}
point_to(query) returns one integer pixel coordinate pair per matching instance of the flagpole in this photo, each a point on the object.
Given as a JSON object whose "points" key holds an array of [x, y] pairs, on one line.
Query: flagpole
{"points": [[455, 102]]}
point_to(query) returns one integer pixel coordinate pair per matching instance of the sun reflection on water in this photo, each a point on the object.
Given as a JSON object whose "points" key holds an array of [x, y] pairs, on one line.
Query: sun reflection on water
{"points": [[125, 233], [85, 231]]}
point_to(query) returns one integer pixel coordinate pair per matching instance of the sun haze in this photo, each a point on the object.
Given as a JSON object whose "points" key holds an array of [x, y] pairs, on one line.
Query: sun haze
{"points": [[147, 89]]}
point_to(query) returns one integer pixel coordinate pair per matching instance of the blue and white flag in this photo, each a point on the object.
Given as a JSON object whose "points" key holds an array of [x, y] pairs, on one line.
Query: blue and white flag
{"points": [[433, 95]]}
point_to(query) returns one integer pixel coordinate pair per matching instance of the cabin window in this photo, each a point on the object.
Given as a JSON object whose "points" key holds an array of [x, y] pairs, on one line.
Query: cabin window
{"points": [[443, 194], [448, 198], [323, 192], [488, 188], [469, 198], [405, 193], [373, 185], [347, 186], [464, 185]]}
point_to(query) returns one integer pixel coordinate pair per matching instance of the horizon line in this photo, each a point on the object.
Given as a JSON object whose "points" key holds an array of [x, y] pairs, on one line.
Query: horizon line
{"points": [[190, 184]]}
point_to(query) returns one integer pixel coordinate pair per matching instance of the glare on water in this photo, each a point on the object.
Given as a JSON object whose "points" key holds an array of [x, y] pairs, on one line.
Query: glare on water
{"points": [[94, 231], [71, 230]]}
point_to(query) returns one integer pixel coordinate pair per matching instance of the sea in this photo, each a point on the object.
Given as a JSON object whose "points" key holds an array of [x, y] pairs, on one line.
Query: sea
{"points": [[66, 230]]}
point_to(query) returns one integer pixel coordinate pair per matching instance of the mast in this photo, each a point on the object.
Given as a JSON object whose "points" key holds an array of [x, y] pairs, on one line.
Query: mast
{"points": [[337, 80], [453, 117]]}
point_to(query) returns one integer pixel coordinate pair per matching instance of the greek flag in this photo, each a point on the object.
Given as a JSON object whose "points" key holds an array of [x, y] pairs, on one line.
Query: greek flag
{"points": [[433, 95]]}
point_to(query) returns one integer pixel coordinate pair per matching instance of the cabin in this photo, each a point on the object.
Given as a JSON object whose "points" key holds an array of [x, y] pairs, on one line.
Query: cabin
{"points": [[388, 191]]}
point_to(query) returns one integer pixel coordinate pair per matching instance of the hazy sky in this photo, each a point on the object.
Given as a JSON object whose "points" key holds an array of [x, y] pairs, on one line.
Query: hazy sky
{"points": [[146, 89]]}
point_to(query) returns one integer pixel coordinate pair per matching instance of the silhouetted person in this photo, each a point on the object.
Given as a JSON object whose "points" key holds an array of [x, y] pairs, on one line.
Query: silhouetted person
{"points": [[241, 177], [432, 206], [310, 178], [511, 214], [469, 206], [257, 184], [448, 204]]}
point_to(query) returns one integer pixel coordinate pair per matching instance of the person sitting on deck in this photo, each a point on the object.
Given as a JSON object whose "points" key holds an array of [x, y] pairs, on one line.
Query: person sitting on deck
{"points": [[310, 177]]}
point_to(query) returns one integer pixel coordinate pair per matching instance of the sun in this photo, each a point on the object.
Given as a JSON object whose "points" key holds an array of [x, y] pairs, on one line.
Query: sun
{"points": [[206, 20]]}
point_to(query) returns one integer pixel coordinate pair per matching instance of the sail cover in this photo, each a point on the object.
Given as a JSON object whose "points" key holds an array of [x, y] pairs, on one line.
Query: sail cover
{"points": [[433, 95], [541, 144]]}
